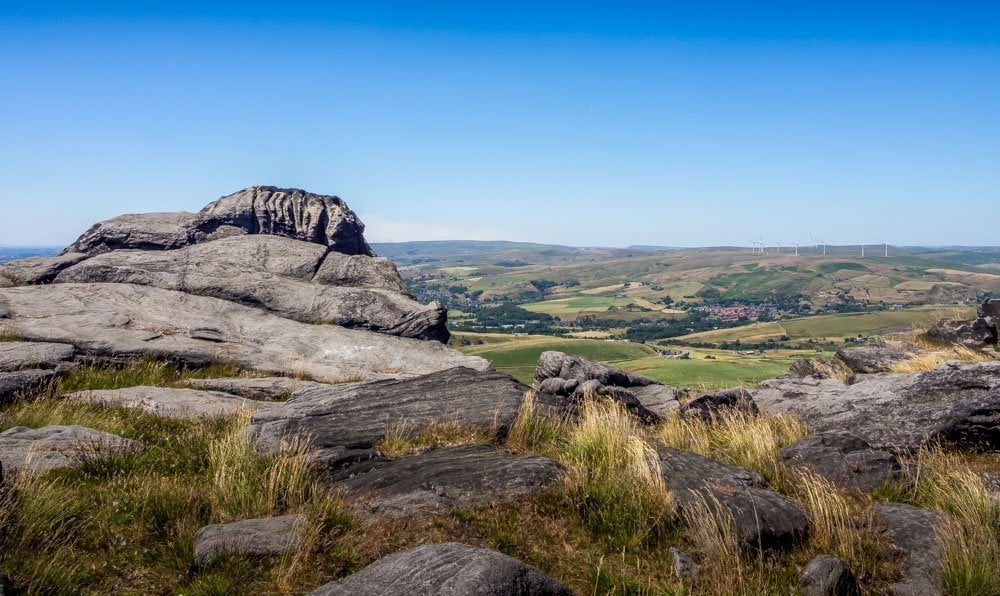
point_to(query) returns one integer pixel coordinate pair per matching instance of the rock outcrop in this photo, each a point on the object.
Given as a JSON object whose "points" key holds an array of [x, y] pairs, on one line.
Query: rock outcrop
{"points": [[868, 360], [979, 333], [275, 274], [299, 255], [256, 388], [37, 450], [957, 402], [128, 320], [450, 568], [22, 382], [438, 480], [574, 378], [762, 519], [844, 459], [265, 536], [289, 212], [18, 355], [357, 415]]}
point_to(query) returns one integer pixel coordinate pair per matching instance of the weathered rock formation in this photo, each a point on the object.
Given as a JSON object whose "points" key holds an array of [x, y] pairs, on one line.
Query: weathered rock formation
{"points": [[828, 576], [256, 388], [958, 402], [711, 406], [357, 415], [296, 254], [275, 274], [37, 450], [978, 333], [574, 378], [21, 382], [450, 568], [128, 320], [438, 480], [844, 459]]}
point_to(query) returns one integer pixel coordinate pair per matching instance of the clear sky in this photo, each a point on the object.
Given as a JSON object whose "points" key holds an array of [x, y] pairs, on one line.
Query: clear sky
{"points": [[579, 123]]}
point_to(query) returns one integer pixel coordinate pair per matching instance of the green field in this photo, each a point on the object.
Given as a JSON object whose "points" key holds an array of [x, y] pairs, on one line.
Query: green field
{"points": [[517, 356], [834, 326], [569, 309]]}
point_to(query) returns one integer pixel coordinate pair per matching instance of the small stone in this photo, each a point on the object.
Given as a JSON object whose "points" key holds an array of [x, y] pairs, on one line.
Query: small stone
{"points": [[684, 565], [828, 576], [264, 536]]}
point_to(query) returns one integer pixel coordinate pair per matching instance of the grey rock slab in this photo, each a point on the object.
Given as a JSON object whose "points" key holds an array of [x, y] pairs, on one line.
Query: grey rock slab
{"points": [[762, 518], [37, 450], [437, 480], [448, 569], [266, 536], [360, 271], [912, 531], [16, 355], [289, 212], [38, 270], [557, 364], [21, 382], [976, 334], [710, 406], [871, 359], [818, 368], [145, 231], [957, 402], [125, 320], [165, 402], [828, 576], [258, 388], [659, 399], [268, 272], [360, 414], [844, 459]]}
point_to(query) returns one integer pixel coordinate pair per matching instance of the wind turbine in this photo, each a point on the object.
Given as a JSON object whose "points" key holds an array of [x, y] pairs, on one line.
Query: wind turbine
{"points": [[862, 249], [753, 244], [761, 244], [887, 250], [796, 248], [779, 246], [824, 245]]}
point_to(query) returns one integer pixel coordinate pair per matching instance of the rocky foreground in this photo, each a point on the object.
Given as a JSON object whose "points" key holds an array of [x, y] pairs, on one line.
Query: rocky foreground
{"points": [[337, 359]]}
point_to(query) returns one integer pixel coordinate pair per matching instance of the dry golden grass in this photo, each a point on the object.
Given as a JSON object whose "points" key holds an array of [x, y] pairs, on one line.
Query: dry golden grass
{"points": [[930, 360], [738, 438], [406, 439]]}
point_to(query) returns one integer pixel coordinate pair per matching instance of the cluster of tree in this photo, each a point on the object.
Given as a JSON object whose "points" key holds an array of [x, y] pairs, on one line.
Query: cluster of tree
{"points": [[506, 318]]}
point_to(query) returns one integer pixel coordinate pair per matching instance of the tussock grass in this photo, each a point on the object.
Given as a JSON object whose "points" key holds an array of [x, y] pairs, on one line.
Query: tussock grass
{"points": [[404, 439], [738, 438], [970, 536], [127, 523], [147, 371], [932, 359], [533, 432], [614, 477]]}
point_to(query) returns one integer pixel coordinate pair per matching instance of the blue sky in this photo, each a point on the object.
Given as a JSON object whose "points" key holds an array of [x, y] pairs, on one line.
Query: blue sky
{"points": [[576, 123]]}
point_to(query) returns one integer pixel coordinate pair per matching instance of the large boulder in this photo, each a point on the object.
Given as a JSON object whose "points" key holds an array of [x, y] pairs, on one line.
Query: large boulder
{"points": [[125, 320], [446, 569], [143, 231], [289, 212], [261, 537], [981, 332], [762, 519], [166, 402], [576, 378], [358, 415], [38, 450], [844, 459], [320, 219], [440, 479], [711, 406], [276, 274], [912, 532], [957, 402], [871, 359]]}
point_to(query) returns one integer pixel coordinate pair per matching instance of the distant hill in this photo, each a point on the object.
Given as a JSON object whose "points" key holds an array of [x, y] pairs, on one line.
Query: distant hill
{"points": [[501, 253]]}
